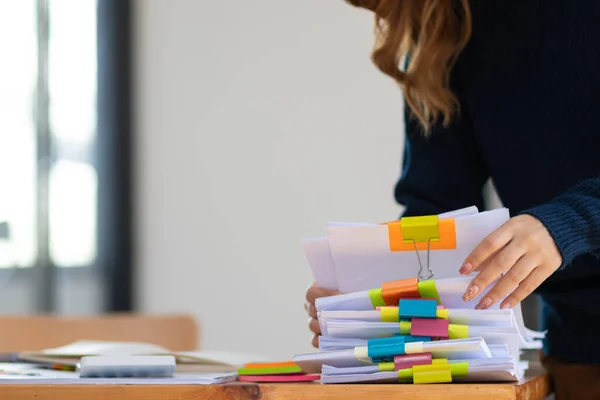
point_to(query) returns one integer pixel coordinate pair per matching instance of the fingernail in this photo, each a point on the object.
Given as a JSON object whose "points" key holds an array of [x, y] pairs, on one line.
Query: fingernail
{"points": [[505, 305], [484, 303], [471, 292], [465, 269]]}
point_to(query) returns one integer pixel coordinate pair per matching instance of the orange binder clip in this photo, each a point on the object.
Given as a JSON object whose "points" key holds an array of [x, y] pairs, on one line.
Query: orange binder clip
{"points": [[393, 291]]}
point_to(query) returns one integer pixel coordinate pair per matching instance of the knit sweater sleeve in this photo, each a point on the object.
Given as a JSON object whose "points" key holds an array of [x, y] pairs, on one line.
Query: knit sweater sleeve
{"points": [[442, 172], [573, 219]]}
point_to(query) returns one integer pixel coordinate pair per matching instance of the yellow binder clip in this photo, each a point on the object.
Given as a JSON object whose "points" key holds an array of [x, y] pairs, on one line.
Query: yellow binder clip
{"points": [[421, 229], [422, 233]]}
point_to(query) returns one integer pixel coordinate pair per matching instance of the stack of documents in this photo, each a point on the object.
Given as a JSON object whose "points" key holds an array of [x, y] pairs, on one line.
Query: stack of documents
{"points": [[402, 317], [419, 340]]}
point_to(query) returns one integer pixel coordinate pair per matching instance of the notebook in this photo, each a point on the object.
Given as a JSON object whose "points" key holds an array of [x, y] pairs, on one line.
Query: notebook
{"points": [[187, 361]]}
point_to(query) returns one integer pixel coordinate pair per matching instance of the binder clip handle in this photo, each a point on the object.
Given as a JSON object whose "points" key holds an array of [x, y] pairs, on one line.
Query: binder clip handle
{"points": [[420, 230], [429, 273]]}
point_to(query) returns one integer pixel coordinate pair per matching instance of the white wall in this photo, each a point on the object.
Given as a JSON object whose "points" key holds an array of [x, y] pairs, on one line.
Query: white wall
{"points": [[257, 123]]}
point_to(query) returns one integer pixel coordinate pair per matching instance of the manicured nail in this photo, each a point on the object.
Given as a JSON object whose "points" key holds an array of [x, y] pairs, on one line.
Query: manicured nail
{"points": [[471, 292], [484, 303], [465, 269], [505, 305]]}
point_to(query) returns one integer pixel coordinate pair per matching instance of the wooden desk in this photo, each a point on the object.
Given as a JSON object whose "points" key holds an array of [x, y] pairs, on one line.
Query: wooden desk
{"points": [[533, 388]]}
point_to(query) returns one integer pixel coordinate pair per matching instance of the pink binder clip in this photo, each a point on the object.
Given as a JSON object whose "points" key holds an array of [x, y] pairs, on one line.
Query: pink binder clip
{"points": [[429, 327]]}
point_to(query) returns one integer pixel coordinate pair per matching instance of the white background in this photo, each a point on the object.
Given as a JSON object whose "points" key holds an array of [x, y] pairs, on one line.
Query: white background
{"points": [[257, 122]]}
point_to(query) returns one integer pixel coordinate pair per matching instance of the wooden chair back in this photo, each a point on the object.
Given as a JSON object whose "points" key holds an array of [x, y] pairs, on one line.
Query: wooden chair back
{"points": [[174, 332]]}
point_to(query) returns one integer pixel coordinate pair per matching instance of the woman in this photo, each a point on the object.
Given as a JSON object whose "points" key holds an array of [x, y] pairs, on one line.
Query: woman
{"points": [[508, 90]]}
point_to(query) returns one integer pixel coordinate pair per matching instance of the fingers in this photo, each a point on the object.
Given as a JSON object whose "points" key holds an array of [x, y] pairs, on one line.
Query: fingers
{"points": [[316, 329], [314, 326], [509, 281], [315, 341], [311, 310], [504, 259], [486, 249], [527, 286], [314, 292], [524, 248]]}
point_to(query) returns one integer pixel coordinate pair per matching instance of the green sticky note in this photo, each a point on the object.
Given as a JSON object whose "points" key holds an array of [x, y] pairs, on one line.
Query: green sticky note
{"points": [[405, 375], [427, 290], [405, 327], [269, 371], [458, 331], [376, 298], [459, 369], [387, 366]]}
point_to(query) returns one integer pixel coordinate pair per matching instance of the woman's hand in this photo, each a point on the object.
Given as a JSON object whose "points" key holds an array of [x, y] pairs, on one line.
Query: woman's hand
{"points": [[313, 293], [522, 243]]}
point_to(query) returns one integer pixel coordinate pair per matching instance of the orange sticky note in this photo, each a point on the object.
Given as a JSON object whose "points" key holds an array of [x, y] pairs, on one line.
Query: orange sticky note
{"points": [[271, 365], [446, 241]]}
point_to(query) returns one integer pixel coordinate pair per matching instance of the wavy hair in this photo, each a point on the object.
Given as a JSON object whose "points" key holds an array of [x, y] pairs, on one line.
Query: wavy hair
{"points": [[431, 33]]}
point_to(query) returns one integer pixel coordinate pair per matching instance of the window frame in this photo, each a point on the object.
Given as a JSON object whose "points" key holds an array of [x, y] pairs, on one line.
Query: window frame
{"points": [[113, 268]]}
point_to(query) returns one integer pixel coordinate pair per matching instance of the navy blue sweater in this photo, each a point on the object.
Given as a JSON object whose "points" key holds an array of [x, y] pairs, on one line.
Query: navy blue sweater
{"points": [[529, 86]]}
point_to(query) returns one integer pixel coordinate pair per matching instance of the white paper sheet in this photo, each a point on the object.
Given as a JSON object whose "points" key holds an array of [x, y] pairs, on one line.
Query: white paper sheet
{"points": [[498, 363], [366, 316], [498, 336], [379, 377], [362, 330], [319, 259], [105, 348], [498, 318], [477, 373], [369, 369], [358, 301], [458, 349], [371, 330], [18, 374], [362, 258], [499, 350], [220, 358], [491, 373], [462, 212], [318, 252], [327, 343], [311, 363]]}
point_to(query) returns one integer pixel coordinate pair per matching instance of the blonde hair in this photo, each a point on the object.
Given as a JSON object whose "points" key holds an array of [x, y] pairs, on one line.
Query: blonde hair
{"points": [[431, 33]]}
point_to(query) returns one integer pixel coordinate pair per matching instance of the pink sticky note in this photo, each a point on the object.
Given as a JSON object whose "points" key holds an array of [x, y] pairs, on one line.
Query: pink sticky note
{"points": [[429, 327], [280, 378], [410, 360]]}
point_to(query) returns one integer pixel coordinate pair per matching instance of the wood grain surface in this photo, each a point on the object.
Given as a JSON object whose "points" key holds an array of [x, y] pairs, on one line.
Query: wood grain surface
{"points": [[532, 388]]}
